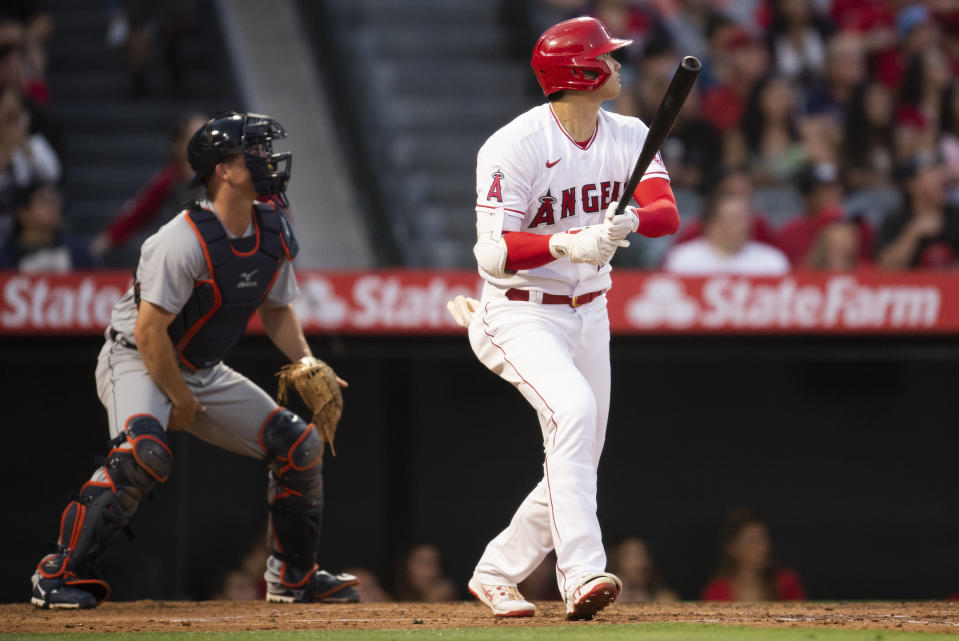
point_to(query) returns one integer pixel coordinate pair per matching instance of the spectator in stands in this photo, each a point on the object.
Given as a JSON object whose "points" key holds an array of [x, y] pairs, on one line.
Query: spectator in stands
{"points": [[836, 248], [921, 96], [642, 583], [686, 22], [37, 242], [916, 31], [628, 20], [949, 138], [541, 584], [872, 20], [246, 583], [797, 37], [14, 74], [655, 68], [725, 246], [421, 576], [165, 192], [25, 158], [925, 233], [171, 21], [739, 62], [238, 586], [730, 181], [720, 29], [38, 28], [771, 132], [746, 571], [868, 154], [947, 15], [369, 587], [692, 148], [845, 70], [822, 200]]}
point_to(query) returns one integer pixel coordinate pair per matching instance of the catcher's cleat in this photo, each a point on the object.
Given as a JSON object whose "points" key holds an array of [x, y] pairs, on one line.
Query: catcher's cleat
{"points": [[56, 594], [503, 600], [322, 587], [595, 592]]}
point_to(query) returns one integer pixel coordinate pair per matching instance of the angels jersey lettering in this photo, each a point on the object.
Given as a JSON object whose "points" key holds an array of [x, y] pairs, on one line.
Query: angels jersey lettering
{"points": [[546, 183]]}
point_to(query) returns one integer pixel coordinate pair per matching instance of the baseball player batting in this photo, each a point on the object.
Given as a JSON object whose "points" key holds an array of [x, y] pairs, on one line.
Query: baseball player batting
{"points": [[547, 186], [198, 281]]}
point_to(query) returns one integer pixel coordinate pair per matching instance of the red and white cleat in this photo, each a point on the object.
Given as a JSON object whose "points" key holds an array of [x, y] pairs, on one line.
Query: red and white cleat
{"points": [[503, 600], [595, 592]]}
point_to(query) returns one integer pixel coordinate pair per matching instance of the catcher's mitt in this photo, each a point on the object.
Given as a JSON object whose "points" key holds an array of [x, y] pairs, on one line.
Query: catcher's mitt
{"points": [[319, 388]]}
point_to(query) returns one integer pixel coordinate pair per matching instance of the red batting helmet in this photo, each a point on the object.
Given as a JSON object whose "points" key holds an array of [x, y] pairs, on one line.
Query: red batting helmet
{"points": [[567, 49]]}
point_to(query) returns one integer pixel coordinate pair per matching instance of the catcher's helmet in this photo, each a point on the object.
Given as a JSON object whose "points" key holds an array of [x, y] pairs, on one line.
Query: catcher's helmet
{"points": [[228, 134], [567, 49]]}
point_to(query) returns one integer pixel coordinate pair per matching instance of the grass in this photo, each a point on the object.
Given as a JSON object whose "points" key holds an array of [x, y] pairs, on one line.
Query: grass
{"points": [[578, 632]]}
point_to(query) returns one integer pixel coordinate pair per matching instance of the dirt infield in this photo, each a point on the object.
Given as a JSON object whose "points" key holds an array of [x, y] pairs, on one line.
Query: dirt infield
{"points": [[153, 616]]}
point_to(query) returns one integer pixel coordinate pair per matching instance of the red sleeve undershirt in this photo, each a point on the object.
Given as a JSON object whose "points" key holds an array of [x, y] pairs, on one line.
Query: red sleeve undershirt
{"points": [[657, 212], [144, 206]]}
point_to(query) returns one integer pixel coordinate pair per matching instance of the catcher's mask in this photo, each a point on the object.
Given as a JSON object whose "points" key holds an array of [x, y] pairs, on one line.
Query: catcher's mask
{"points": [[567, 51], [228, 134]]}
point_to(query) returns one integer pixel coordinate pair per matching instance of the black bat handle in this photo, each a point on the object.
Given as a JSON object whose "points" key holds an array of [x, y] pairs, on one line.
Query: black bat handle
{"points": [[662, 123]]}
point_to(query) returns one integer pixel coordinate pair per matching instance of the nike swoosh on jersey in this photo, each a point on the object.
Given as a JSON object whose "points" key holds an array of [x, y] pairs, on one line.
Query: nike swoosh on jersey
{"points": [[551, 164]]}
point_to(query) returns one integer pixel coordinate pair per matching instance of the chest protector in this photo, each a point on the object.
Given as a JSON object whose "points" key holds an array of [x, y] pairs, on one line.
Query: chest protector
{"points": [[242, 271]]}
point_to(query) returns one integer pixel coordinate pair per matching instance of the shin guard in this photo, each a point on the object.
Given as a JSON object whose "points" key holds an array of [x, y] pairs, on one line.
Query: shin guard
{"points": [[295, 493], [105, 505]]}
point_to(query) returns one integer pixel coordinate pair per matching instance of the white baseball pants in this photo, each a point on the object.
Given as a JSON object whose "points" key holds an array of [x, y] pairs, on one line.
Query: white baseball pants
{"points": [[558, 358]]}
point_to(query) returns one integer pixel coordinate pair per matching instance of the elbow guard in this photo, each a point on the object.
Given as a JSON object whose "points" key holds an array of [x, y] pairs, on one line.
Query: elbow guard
{"points": [[491, 256]]}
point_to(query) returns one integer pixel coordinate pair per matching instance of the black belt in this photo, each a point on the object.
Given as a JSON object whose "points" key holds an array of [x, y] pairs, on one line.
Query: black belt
{"points": [[555, 299], [118, 338]]}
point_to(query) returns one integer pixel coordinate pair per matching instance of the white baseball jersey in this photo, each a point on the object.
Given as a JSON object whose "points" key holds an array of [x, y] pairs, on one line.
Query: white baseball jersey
{"points": [[531, 177], [544, 182]]}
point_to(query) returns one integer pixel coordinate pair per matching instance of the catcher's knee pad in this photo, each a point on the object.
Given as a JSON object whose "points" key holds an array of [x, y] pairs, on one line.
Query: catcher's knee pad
{"points": [[148, 442], [289, 441], [107, 501]]}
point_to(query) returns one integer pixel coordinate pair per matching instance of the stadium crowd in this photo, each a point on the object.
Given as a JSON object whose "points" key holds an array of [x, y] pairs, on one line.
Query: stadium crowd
{"points": [[746, 571], [836, 122], [34, 230], [31, 220], [822, 134]]}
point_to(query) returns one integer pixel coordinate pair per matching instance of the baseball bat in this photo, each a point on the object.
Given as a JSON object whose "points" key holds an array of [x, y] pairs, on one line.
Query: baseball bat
{"points": [[662, 123]]}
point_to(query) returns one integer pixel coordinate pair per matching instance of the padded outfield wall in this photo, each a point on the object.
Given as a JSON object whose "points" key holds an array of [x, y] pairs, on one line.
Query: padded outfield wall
{"points": [[844, 440]]}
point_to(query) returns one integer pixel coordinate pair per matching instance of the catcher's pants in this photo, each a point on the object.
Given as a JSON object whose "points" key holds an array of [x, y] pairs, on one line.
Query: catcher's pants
{"points": [[558, 358], [236, 408]]}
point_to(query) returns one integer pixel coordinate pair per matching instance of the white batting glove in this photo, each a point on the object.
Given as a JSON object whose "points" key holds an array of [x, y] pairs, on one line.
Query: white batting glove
{"points": [[589, 244], [619, 226], [462, 309]]}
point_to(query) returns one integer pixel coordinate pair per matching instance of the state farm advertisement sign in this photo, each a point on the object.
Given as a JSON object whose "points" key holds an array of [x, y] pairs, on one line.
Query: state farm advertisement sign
{"points": [[873, 302], [389, 301], [414, 302], [77, 303]]}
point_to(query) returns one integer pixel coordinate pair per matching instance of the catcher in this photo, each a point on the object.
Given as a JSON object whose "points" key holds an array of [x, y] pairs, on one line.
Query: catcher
{"points": [[198, 281]]}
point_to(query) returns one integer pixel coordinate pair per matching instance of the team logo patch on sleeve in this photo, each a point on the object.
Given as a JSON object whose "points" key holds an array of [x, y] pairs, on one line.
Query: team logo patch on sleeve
{"points": [[496, 189]]}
